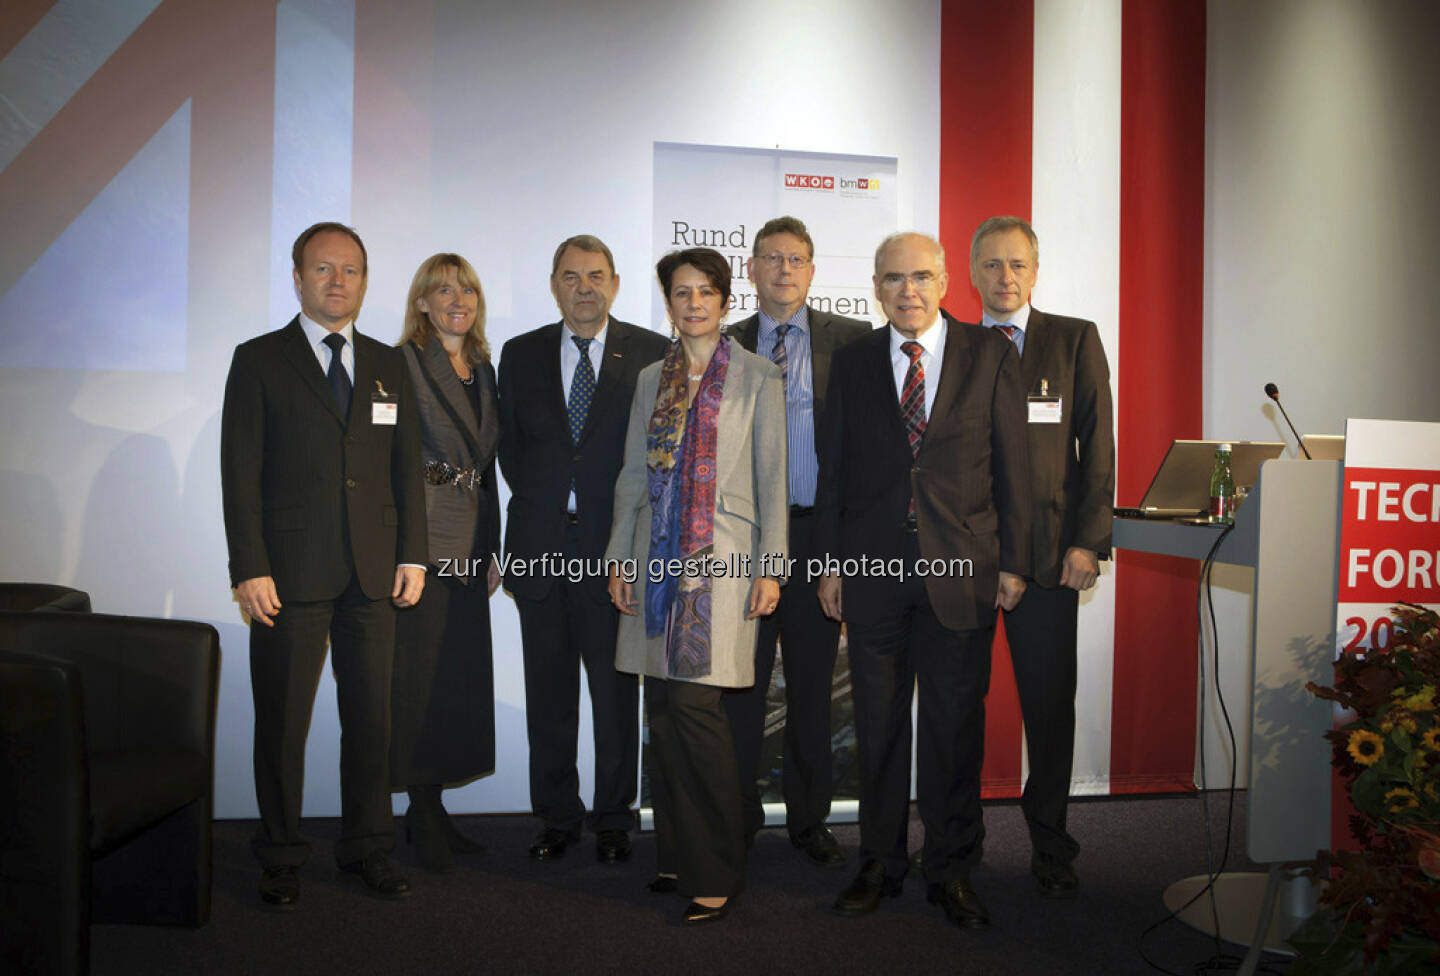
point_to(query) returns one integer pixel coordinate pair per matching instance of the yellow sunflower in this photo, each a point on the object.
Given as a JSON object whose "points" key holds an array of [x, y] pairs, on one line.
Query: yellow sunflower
{"points": [[1401, 798], [1403, 719], [1365, 747], [1422, 701], [1431, 740]]}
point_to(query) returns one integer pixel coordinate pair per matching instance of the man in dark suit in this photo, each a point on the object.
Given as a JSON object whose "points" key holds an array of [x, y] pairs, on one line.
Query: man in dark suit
{"points": [[1072, 482], [799, 339], [325, 520], [565, 392], [924, 508]]}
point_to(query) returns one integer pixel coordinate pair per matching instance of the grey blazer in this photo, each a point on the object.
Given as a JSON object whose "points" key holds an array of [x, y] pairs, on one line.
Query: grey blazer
{"points": [[751, 514], [463, 523]]}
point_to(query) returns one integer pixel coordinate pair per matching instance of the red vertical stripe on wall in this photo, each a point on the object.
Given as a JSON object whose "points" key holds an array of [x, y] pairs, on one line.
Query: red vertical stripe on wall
{"points": [[987, 85], [1162, 234]]}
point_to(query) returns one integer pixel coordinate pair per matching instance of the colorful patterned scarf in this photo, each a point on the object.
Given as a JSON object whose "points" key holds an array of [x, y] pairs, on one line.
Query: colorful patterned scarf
{"points": [[680, 458]]}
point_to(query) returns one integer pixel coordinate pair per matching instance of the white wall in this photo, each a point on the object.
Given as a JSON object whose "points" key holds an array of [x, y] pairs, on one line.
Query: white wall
{"points": [[1322, 206], [535, 121]]}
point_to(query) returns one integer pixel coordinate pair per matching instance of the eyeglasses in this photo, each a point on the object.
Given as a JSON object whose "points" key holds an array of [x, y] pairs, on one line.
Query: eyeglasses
{"points": [[918, 279], [775, 259]]}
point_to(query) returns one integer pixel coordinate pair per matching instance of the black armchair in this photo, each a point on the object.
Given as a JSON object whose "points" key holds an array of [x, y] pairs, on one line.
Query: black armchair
{"points": [[107, 742], [43, 596]]}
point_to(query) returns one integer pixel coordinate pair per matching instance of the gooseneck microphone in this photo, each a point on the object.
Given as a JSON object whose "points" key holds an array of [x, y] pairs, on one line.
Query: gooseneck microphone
{"points": [[1273, 392]]}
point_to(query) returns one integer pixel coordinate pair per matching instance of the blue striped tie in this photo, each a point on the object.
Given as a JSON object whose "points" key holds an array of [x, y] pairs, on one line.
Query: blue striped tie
{"points": [[778, 356]]}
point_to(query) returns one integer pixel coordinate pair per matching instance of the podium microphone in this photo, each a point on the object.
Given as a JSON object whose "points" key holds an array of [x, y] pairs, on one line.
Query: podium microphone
{"points": [[1273, 392]]}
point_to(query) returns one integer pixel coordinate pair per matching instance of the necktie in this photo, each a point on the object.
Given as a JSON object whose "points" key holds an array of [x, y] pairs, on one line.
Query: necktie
{"points": [[912, 398], [912, 403], [778, 355], [339, 379], [1011, 331], [582, 389]]}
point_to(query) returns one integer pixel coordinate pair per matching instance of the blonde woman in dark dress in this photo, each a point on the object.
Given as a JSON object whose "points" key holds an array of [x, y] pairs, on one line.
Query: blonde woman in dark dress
{"points": [[443, 692]]}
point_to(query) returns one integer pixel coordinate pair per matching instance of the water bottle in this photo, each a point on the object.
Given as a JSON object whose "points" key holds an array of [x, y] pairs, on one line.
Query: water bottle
{"points": [[1222, 487]]}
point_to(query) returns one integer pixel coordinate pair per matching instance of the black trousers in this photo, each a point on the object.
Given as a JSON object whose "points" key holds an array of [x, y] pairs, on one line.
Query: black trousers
{"points": [[809, 641], [888, 659], [696, 788], [557, 633], [1041, 634], [285, 665]]}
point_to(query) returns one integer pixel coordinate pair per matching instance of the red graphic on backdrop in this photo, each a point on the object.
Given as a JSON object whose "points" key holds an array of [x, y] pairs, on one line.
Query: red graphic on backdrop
{"points": [[1390, 551]]}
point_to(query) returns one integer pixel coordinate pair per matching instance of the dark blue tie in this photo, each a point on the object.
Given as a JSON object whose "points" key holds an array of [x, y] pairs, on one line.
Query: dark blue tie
{"points": [[339, 379], [582, 389]]}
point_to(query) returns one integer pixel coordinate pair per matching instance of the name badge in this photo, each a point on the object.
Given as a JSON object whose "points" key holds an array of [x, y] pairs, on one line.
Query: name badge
{"points": [[1044, 409], [384, 407]]}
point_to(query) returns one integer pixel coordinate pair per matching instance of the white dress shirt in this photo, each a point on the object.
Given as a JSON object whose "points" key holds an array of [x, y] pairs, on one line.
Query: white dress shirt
{"points": [[316, 333], [932, 341]]}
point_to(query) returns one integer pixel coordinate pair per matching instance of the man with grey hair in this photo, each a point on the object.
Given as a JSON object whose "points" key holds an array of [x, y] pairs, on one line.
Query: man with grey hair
{"points": [[565, 392], [800, 340], [929, 483], [1072, 488]]}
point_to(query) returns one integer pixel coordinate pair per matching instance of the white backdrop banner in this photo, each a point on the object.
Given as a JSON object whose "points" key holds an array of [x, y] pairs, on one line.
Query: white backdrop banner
{"points": [[719, 196]]}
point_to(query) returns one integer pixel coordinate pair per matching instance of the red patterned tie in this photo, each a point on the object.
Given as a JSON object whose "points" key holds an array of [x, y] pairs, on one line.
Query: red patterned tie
{"points": [[912, 398], [912, 404], [1008, 329]]}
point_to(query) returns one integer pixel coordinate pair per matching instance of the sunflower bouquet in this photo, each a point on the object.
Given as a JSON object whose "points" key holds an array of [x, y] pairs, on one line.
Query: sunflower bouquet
{"points": [[1382, 899]]}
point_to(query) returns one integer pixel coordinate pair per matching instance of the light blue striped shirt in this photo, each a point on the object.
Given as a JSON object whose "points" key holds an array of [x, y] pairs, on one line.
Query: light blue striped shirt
{"points": [[799, 400], [1021, 321]]}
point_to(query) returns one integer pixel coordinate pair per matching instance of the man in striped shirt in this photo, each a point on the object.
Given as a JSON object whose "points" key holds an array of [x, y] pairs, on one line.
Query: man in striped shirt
{"points": [[799, 339]]}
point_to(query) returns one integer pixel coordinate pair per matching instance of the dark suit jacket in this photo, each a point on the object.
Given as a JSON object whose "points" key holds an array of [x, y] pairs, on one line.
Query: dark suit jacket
{"points": [[970, 481], [298, 482], [827, 333], [463, 522], [1072, 463], [539, 460]]}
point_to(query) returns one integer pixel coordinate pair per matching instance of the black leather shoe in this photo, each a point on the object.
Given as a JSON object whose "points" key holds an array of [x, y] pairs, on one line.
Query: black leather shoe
{"points": [[380, 877], [1057, 878], [864, 894], [280, 888], [612, 846], [819, 845], [664, 884], [551, 843], [962, 906], [698, 914]]}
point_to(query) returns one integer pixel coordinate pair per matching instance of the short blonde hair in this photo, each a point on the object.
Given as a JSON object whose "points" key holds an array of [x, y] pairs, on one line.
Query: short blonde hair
{"points": [[431, 274]]}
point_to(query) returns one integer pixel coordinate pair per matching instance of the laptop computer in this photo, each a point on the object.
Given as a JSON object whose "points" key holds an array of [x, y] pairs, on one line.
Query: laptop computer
{"points": [[1325, 447], [1181, 486]]}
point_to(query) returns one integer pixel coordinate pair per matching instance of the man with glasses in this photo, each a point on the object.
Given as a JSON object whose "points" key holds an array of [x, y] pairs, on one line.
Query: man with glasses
{"points": [[799, 339], [923, 474]]}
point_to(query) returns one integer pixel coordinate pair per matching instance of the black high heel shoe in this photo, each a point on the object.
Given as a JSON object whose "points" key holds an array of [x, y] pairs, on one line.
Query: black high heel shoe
{"points": [[698, 914], [459, 843]]}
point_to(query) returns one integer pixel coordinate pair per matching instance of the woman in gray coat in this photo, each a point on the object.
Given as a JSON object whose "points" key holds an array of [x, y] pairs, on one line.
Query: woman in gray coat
{"points": [[443, 690], [699, 551]]}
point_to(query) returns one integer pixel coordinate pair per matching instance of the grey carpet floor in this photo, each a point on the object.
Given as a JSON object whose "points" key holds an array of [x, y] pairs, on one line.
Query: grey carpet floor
{"points": [[501, 912]]}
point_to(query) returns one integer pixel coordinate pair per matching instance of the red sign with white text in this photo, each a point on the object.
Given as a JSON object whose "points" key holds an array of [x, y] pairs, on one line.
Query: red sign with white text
{"points": [[1390, 546]]}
